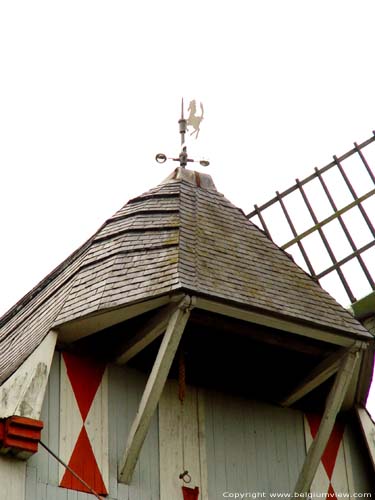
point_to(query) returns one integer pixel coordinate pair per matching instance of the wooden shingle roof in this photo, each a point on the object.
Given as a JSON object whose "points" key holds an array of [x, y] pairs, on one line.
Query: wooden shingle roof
{"points": [[182, 235]]}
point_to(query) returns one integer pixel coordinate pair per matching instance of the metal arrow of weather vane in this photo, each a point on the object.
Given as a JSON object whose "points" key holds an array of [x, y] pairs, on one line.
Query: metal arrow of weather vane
{"points": [[194, 121]]}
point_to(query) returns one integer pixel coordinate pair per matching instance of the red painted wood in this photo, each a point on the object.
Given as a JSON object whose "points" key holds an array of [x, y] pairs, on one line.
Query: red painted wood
{"points": [[331, 492], [190, 493], [83, 462], [85, 376], [333, 445]]}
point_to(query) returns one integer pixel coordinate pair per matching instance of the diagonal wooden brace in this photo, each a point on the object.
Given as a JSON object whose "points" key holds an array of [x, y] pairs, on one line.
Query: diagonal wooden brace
{"points": [[154, 388], [155, 327], [316, 377], [333, 405]]}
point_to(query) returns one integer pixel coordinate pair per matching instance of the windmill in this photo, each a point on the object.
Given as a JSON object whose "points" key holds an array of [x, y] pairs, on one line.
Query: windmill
{"points": [[179, 353]]}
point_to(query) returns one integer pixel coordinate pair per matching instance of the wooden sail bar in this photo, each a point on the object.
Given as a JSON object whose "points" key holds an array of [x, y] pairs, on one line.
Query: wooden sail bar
{"points": [[357, 250]]}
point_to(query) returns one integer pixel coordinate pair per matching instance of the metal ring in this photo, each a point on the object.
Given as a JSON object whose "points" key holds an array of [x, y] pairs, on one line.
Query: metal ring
{"points": [[161, 158], [185, 476]]}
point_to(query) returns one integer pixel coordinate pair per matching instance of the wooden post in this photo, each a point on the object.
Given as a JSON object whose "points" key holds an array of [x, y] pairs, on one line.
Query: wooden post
{"points": [[333, 405], [154, 388]]}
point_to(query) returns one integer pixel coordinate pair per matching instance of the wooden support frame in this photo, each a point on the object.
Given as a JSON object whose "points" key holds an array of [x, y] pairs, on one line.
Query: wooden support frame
{"points": [[333, 405], [328, 367], [154, 388], [155, 327]]}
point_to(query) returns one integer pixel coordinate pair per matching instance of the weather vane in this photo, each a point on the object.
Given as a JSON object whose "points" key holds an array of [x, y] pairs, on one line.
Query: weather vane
{"points": [[193, 121]]}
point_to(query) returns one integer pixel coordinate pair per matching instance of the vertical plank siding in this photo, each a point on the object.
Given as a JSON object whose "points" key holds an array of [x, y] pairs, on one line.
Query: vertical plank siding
{"points": [[251, 447], [230, 444], [181, 435], [12, 478], [125, 387], [125, 390]]}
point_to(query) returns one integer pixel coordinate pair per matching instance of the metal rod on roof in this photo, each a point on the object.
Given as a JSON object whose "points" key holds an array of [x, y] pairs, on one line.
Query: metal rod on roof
{"points": [[300, 246], [183, 124], [346, 231], [326, 243]]}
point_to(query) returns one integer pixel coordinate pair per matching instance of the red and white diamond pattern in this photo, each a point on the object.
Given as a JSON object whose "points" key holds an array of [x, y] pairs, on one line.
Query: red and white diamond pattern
{"points": [[84, 423], [331, 476]]}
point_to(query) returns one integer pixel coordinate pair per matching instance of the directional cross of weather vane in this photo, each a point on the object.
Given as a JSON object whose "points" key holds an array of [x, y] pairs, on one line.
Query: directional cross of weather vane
{"points": [[194, 121]]}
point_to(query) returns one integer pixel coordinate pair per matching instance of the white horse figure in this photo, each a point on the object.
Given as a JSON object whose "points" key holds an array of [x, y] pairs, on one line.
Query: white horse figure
{"points": [[193, 119]]}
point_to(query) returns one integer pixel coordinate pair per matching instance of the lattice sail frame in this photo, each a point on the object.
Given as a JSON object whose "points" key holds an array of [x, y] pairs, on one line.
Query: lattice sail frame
{"points": [[327, 223]]}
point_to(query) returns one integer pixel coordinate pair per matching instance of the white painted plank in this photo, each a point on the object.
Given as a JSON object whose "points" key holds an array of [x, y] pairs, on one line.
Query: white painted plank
{"points": [[202, 444], [12, 478], [96, 425], [170, 442], [30, 485], [181, 442], [153, 391], [54, 418], [70, 419], [125, 391], [339, 478]]}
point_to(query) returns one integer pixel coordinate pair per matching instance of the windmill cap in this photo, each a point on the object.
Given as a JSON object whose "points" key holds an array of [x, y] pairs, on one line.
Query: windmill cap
{"points": [[197, 179]]}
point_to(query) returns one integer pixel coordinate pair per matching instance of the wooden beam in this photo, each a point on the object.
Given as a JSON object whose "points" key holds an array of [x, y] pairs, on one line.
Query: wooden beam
{"points": [[154, 388], [316, 377], [99, 320], [333, 405], [263, 318], [147, 334], [368, 430]]}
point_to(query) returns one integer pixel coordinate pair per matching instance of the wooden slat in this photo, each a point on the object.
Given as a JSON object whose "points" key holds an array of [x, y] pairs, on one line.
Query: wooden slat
{"points": [[153, 389], [147, 334], [316, 377], [333, 405], [368, 430], [12, 478], [202, 443]]}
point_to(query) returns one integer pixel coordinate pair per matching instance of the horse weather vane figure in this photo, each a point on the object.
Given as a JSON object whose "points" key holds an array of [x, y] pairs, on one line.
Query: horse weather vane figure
{"points": [[193, 121]]}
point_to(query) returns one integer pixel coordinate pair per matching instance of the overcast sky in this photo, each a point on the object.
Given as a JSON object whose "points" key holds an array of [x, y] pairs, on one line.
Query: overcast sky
{"points": [[90, 91]]}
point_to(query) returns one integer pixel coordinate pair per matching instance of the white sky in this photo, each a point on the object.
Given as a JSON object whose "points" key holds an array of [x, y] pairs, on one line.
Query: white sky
{"points": [[90, 91]]}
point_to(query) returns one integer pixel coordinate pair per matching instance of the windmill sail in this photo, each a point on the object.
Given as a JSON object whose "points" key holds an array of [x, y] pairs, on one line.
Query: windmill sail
{"points": [[327, 223]]}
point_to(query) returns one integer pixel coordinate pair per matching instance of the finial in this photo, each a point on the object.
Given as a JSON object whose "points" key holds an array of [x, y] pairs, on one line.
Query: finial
{"points": [[192, 121]]}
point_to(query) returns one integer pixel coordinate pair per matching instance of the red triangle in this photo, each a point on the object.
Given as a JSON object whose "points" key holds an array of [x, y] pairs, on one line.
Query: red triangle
{"points": [[84, 464], [85, 376], [331, 492], [190, 493], [333, 445]]}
